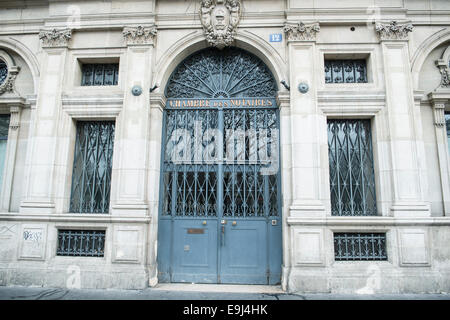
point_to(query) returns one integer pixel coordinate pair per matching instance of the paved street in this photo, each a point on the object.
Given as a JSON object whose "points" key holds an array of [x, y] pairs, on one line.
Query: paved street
{"points": [[192, 292]]}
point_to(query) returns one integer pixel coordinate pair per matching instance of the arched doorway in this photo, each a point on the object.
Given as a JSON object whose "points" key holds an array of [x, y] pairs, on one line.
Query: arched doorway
{"points": [[220, 207]]}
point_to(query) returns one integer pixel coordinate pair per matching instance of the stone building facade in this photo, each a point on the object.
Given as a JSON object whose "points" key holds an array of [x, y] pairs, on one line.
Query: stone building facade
{"points": [[352, 96]]}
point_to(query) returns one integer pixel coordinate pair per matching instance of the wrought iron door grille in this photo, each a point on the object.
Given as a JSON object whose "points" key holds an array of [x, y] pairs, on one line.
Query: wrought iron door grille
{"points": [[352, 180], [227, 73], [235, 187], [360, 246], [81, 243], [100, 74], [3, 71], [91, 177], [345, 71], [191, 189]]}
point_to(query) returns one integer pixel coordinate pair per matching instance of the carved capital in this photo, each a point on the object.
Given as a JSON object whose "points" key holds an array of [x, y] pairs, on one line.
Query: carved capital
{"points": [[55, 38], [301, 31], [219, 19], [393, 31], [139, 35]]}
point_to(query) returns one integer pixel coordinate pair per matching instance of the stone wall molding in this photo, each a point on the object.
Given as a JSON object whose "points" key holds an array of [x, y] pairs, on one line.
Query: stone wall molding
{"points": [[301, 31], [55, 37], [393, 30], [139, 35]]}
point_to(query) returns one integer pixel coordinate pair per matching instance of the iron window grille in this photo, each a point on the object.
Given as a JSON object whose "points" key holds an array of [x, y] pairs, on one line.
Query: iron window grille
{"points": [[100, 74], [352, 179], [91, 177], [3, 71], [81, 243], [346, 71], [360, 247]]}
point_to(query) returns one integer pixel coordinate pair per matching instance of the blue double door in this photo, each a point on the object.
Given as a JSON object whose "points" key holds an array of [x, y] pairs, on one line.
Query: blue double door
{"points": [[219, 220]]}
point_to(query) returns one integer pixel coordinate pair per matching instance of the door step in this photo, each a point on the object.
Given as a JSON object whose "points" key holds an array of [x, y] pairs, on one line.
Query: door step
{"points": [[235, 288]]}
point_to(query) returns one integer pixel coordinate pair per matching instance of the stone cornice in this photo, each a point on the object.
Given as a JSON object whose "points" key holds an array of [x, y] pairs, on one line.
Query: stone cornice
{"points": [[55, 38], [301, 31], [139, 35], [393, 31]]}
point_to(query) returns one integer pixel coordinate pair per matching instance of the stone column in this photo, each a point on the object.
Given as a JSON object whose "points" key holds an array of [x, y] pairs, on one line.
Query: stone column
{"points": [[438, 104], [41, 155], [157, 103], [305, 121], [129, 189], [403, 138]]}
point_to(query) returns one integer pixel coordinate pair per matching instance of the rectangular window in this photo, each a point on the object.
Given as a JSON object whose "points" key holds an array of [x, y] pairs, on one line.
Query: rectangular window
{"points": [[91, 176], [345, 71], [352, 181], [360, 246], [4, 129], [447, 123], [81, 243], [99, 74]]}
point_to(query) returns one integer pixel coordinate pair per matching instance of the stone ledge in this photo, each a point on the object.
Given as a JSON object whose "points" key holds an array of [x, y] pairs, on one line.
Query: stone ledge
{"points": [[369, 221], [69, 217]]}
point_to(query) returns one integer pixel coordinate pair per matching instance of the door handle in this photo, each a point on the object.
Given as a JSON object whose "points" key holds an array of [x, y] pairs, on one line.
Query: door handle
{"points": [[222, 237]]}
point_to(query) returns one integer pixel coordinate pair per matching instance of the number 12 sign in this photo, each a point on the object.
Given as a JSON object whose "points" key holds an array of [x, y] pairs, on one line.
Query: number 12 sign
{"points": [[275, 37]]}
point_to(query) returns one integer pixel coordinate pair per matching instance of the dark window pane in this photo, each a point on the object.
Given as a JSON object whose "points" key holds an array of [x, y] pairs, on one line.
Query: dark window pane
{"points": [[91, 177], [352, 181]]}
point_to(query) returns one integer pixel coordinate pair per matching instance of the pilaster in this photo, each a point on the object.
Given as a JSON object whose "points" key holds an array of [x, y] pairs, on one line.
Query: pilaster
{"points": [[39, 185], [404, 137], [438, 102], [129, 191], [306, 140]]}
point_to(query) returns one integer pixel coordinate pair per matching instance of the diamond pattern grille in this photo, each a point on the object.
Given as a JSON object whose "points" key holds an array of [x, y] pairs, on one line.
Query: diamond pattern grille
{"points": [[352, 181], [91, 177]]}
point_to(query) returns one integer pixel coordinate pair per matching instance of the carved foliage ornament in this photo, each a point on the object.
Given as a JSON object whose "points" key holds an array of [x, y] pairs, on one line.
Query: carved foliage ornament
{"points": [[139, 35], [301, 31], [444, 68], [8, 73], [55, 38], [393, 30], [219, 20]]}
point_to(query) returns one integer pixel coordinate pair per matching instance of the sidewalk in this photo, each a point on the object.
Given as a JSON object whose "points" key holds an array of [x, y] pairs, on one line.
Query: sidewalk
{"points": [[193, 292]]}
